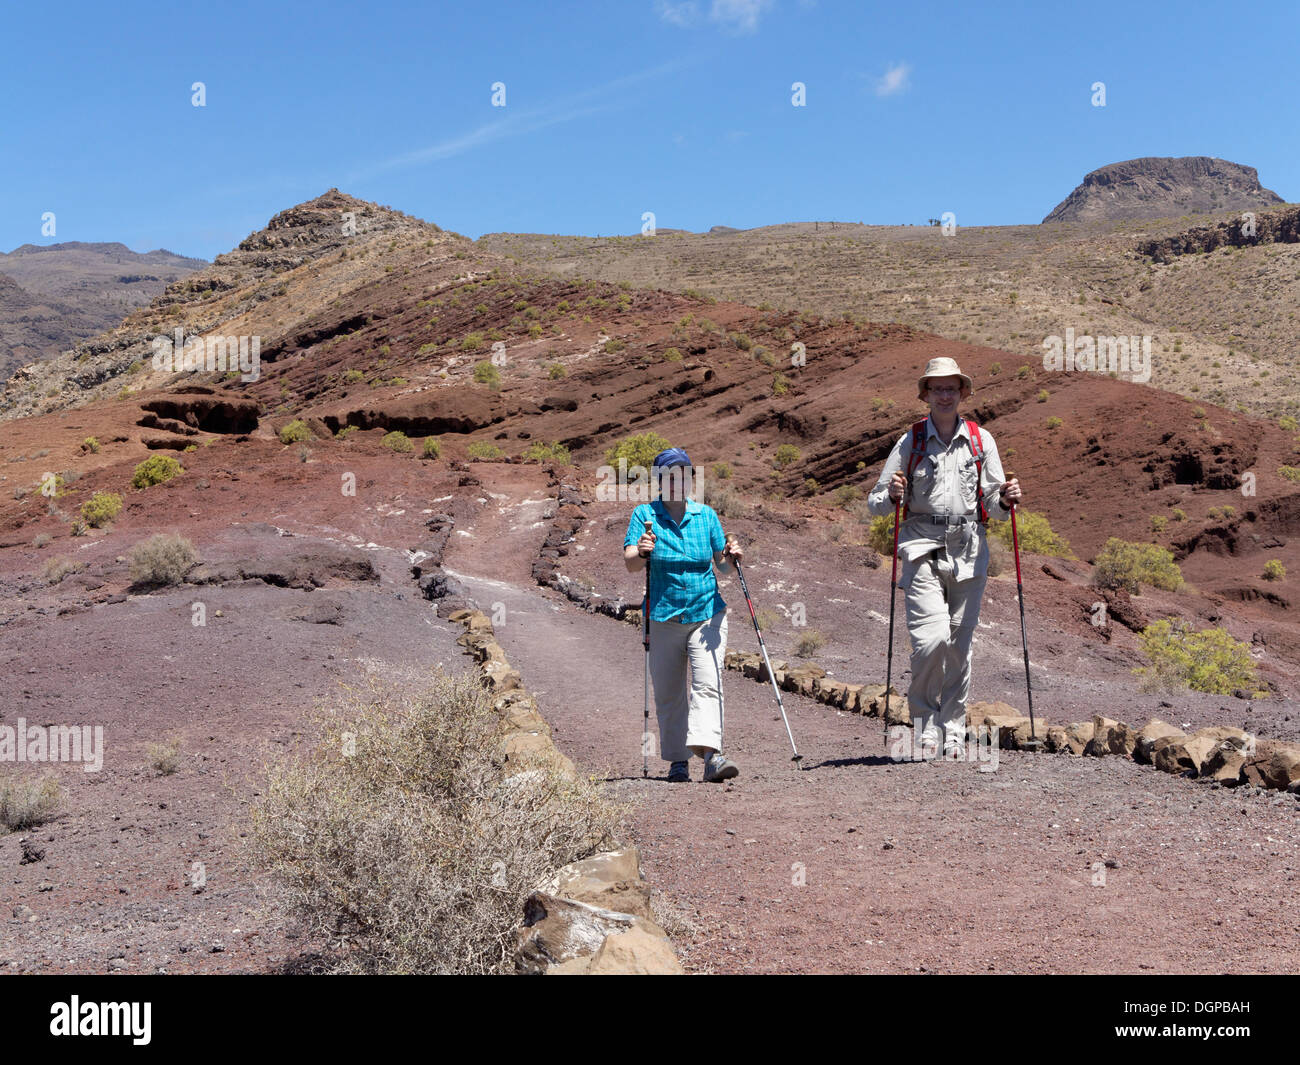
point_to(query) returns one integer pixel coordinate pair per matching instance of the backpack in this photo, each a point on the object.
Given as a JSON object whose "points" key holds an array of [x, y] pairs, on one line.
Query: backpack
{"points": [[977, 445]]}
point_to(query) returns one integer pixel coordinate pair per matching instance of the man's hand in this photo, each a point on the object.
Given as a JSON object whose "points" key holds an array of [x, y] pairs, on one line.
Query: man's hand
{"points": [[897, 486], [1010, 493]]}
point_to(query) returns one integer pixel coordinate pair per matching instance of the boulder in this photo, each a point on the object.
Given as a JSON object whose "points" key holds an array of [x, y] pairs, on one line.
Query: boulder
{"points": [[635, 952], [1099, 744], [478, 622], [1274, 764], [500, 677], [999, 716], [802, 679], [524, 717], [742, 660], [1021, 734], [1153, 730], [1224, 765], [829, 691], [1123, 739], [557, 930], [1184, 754], [852, 694], [611, 880], [1078, 734], [871, 701]]}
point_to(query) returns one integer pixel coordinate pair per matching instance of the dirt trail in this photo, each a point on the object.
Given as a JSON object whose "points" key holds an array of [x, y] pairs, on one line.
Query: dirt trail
{"points": [[858, 864]]}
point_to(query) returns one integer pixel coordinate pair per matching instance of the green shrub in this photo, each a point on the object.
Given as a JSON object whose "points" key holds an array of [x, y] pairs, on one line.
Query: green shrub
{"points": [[101, 508], [295, 432], [846, 495], [164, 558], [345, 432], [1274, 570], [1054, 422], [1288, 423], [1178, 514], [722, 470], [1023, 372], [1206, 661], [1128, 565], [538, 451], [90, 444], [1042, 395], [472, 342], [1291, 473], [741, 341], [484, 451], [485, 373], [164, 758], [555, 372], [402, 839], [397, 441], [880, 534], [613, 346], [157, 469], [353, 376], [1158, 523], [786, 454], [995, 369], [432, 449], [59, 567], [672, 355], [808, 643], [638, 450], [812, 486], [780, 384], [1035, 534]]}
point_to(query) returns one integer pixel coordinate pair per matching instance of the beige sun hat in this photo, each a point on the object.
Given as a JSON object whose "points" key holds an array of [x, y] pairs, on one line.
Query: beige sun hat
{"points": [[944, 368]]}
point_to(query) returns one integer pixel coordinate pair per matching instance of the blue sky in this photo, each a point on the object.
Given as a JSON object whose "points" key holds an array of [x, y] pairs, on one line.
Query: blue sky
{"points": [[617, 108]]}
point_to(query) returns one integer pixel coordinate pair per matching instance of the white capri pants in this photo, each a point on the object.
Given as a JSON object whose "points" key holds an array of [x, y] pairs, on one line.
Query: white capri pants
{"points": [[686, 662]]}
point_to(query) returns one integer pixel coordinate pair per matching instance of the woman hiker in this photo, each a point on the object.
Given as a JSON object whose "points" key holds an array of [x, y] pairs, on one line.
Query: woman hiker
{"points": [[688, 618], [948, 473]]}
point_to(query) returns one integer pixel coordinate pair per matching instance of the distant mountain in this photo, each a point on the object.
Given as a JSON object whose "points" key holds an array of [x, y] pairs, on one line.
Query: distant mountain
{"points": [[1158, 187], [56, 295]]}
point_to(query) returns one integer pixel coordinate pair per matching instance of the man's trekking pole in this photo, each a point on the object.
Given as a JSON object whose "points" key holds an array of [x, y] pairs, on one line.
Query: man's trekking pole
{"points": [[893, 587], [1034, 742], [645, 639], [767, 662]]}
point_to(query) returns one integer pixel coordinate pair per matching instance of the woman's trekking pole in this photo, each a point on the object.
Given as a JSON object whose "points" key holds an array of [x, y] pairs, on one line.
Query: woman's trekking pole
{"points": [[767, 662], [1024, 637], [645, 639], [893, 587]]}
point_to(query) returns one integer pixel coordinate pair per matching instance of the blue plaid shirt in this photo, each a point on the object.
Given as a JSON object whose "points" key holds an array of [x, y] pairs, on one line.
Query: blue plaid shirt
{"points": [[681, 568]]}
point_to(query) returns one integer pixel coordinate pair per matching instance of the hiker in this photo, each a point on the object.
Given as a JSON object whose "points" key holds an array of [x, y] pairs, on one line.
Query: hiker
{"points": [[688, 617], [948, 474]]}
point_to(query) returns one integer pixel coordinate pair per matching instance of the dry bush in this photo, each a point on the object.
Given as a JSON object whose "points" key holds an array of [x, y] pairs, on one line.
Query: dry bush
{"points": [[809, 642], [164, 558], [28, 801], [402, 845], [59, 567], [164, 758]]}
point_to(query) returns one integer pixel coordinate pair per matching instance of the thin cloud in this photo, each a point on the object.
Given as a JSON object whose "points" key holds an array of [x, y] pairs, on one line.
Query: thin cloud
{"points": [[519, 123], [683, 15], [896, 79], [739, 16], [735, 16]]}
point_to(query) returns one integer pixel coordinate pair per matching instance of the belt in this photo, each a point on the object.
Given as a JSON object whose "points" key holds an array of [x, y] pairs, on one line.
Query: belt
{"points": [[946, 519]]}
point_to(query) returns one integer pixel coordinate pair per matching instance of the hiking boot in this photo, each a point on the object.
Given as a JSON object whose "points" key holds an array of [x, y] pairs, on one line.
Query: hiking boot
{"points": [[718, 768], [679, 772]]}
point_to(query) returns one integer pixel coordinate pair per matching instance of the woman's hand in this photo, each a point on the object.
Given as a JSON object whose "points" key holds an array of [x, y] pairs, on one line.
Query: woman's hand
{"points": [[733, 552], [645, 545]]}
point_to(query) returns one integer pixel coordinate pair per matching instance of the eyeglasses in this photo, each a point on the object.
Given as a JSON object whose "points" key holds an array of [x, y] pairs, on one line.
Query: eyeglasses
{"points": [[946, 391]]}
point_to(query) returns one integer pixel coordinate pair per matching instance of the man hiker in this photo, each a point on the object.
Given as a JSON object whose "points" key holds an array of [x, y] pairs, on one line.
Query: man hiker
{"points": [[948, 474], [688, 617]]}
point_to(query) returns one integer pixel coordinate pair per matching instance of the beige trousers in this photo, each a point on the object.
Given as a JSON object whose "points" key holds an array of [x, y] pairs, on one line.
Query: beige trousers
{"points": [[941, 617], [686, 667]]}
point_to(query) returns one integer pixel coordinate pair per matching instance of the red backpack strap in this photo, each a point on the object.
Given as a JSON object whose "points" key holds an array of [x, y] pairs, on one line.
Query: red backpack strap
{"points": [[914, 459], [977, 446]]}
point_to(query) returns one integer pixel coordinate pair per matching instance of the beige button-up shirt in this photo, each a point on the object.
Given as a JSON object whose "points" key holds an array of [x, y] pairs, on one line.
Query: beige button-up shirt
{"points": [[943, 482]]}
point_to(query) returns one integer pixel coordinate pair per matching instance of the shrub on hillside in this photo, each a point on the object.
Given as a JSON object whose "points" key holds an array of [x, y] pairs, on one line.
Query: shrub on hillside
{"points": [[399, 841], [786, 454], [432, 449], [1206, 661], [59, 567], [1274, 570], [156, 469], [295, 432], [164, 558], [638, 450], [26, 802], [808, 643], [397, 441], [101, 508], [722, 498], [1128, 565], [1035, 534], [486, 373], [484, 451], [538, 451]]}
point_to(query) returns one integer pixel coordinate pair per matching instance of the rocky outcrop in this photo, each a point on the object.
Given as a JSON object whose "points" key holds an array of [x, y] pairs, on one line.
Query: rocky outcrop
{"points": [[1273, 227], [1163, 187]]}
